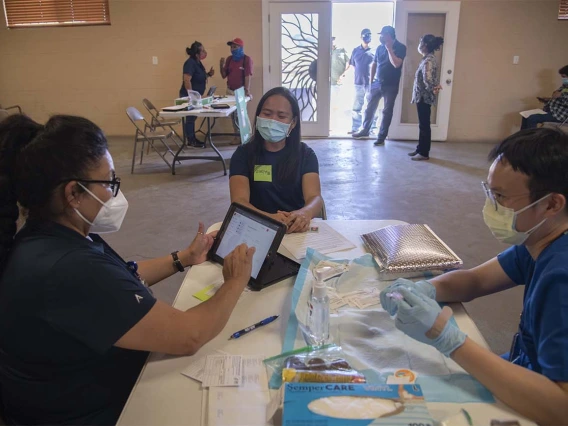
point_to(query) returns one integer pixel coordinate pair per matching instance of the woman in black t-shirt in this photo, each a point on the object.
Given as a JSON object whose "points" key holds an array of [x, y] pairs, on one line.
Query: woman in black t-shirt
{"points": [[276, 173]]}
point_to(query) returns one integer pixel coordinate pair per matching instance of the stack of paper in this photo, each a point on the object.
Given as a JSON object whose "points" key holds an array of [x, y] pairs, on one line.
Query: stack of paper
{"points": [[236, 388], [321, 237]]}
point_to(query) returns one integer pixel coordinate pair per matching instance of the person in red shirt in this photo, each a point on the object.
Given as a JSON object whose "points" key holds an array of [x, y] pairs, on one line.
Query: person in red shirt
{"points": [[237, 69]]}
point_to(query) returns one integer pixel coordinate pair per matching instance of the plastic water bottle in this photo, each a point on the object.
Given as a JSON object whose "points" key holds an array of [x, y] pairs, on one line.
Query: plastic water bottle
{"points": [[318, 314]]}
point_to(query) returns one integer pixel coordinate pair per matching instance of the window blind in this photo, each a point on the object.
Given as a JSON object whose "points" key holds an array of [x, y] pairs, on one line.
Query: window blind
{"points": [[41, 13]]}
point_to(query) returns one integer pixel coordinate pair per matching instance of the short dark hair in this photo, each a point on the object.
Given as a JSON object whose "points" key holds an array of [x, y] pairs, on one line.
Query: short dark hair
{"points": [[35, 160], [563, 70], [290, 162], [542, 155], [432, 42]]}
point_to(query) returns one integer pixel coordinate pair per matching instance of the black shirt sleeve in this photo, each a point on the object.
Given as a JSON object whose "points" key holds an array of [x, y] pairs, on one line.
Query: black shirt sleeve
{"points": [[94, 299], [239, 163], [310, 161], [400, 51]]}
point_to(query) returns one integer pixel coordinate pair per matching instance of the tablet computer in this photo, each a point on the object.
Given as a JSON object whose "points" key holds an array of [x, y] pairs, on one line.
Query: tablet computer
{"points": [[244, 225]]}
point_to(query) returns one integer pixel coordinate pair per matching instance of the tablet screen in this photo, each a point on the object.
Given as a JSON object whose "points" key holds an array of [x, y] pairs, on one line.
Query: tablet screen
{"points": [[252, 231]]}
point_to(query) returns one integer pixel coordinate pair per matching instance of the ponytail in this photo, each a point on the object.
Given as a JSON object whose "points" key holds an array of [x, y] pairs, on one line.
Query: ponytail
{"points": [[16, 132], [193, 51], [432, 42]]}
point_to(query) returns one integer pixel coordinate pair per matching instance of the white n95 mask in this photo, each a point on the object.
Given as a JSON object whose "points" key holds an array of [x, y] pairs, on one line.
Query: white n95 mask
{"points": [[110, 216], [502, 222]]}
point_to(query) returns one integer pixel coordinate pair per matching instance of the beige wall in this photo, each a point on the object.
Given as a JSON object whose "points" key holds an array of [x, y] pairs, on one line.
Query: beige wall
{"points": [[99, 71]]}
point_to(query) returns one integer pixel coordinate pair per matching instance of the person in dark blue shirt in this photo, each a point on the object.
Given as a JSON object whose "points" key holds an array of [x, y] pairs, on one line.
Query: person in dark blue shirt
{"points": [[276, 173], [386, 69], [194, 78], [361, 59], [525, 205], [77, 321]]}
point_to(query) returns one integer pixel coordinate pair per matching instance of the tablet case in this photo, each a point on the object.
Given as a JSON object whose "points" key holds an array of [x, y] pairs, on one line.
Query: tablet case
{"points": [[275, 267]]}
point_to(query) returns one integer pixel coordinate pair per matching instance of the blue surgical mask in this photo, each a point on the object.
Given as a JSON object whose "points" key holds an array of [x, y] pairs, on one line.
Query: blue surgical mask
{"points": [[272, 130], [564, 81], [238, 54], [367, 39]]}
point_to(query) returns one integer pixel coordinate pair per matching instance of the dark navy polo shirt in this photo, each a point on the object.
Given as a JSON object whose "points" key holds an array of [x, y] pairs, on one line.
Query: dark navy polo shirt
{"points": [[268, 192], [64, 302], [362, 59], [198, 77], [387, 74], [543, 343]]}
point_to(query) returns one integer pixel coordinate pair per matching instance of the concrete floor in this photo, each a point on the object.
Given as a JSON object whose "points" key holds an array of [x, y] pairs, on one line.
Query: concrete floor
{"points": [[359, 181]]}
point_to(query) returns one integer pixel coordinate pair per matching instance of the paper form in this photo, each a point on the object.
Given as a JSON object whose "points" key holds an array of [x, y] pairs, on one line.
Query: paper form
{"points": [[196, 368], [326, 240], [527, 114], [222, 370], [245, 405]]}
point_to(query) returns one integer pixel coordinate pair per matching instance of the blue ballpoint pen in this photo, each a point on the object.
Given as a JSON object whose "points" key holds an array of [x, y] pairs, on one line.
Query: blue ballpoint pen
{"points": [[253, 327]]}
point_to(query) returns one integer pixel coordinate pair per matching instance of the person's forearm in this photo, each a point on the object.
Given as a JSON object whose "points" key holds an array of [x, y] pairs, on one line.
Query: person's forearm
{"points": [[223, 73], [209, 318], [153, 271], [394, 60], [246, 203], [247, 84], [529, 393], [373, 70], [313, 206], [456, 286]]}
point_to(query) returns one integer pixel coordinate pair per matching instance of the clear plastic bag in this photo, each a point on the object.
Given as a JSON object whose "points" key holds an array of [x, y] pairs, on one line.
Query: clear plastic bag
{"points": [[324, 364]]}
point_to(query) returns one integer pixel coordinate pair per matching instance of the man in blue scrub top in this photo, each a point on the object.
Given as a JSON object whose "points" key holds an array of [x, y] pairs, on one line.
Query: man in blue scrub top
{"points": [[361, 59], [526, 193]]}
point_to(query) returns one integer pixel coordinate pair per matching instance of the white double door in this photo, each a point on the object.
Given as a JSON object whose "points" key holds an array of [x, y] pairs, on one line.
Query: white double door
{"points": [[298, 56]]}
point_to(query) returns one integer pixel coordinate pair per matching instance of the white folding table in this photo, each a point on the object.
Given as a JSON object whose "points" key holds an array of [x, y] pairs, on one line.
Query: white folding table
{"points": [[163, 396]]}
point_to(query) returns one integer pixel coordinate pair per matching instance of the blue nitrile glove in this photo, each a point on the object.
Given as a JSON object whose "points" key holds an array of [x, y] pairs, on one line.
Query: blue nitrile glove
{"points": [[416, 316], [390, 305]]}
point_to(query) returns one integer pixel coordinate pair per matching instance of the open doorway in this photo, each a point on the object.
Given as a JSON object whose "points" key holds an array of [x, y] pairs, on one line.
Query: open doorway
{"points": [[348, 20]]}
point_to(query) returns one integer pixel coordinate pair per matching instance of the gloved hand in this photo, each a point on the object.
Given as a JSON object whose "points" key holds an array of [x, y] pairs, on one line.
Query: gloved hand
{"points": [[390, 305], [416, 316]]}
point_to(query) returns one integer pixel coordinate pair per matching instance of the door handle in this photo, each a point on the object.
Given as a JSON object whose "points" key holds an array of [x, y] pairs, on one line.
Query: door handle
{"points": [[449, 81]]}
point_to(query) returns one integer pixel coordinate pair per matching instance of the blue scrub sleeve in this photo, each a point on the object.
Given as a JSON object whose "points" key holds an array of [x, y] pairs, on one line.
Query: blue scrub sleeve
{"points": [[239, 163], [512, 261], [551, 325], [94, 299]]}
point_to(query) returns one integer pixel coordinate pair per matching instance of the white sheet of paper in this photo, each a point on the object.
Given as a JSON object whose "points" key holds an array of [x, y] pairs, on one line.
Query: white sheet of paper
{"points": [[326, 240], [197, 366], [235, 407], [527, 114], [222, 370], [245, 405]]}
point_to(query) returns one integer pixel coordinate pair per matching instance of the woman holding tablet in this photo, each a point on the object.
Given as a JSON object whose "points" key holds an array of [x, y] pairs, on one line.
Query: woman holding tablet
{"points": [[77, 321], [276, 173]]}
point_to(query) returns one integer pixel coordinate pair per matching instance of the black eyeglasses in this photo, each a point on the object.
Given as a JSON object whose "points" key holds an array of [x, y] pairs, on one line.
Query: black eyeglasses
{"points": [[113, 184]]}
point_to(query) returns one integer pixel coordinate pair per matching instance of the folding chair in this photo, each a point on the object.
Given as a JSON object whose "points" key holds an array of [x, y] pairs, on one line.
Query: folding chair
{"points": [[560, 126], [4, 111], [147, 134], [162, 122]]}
